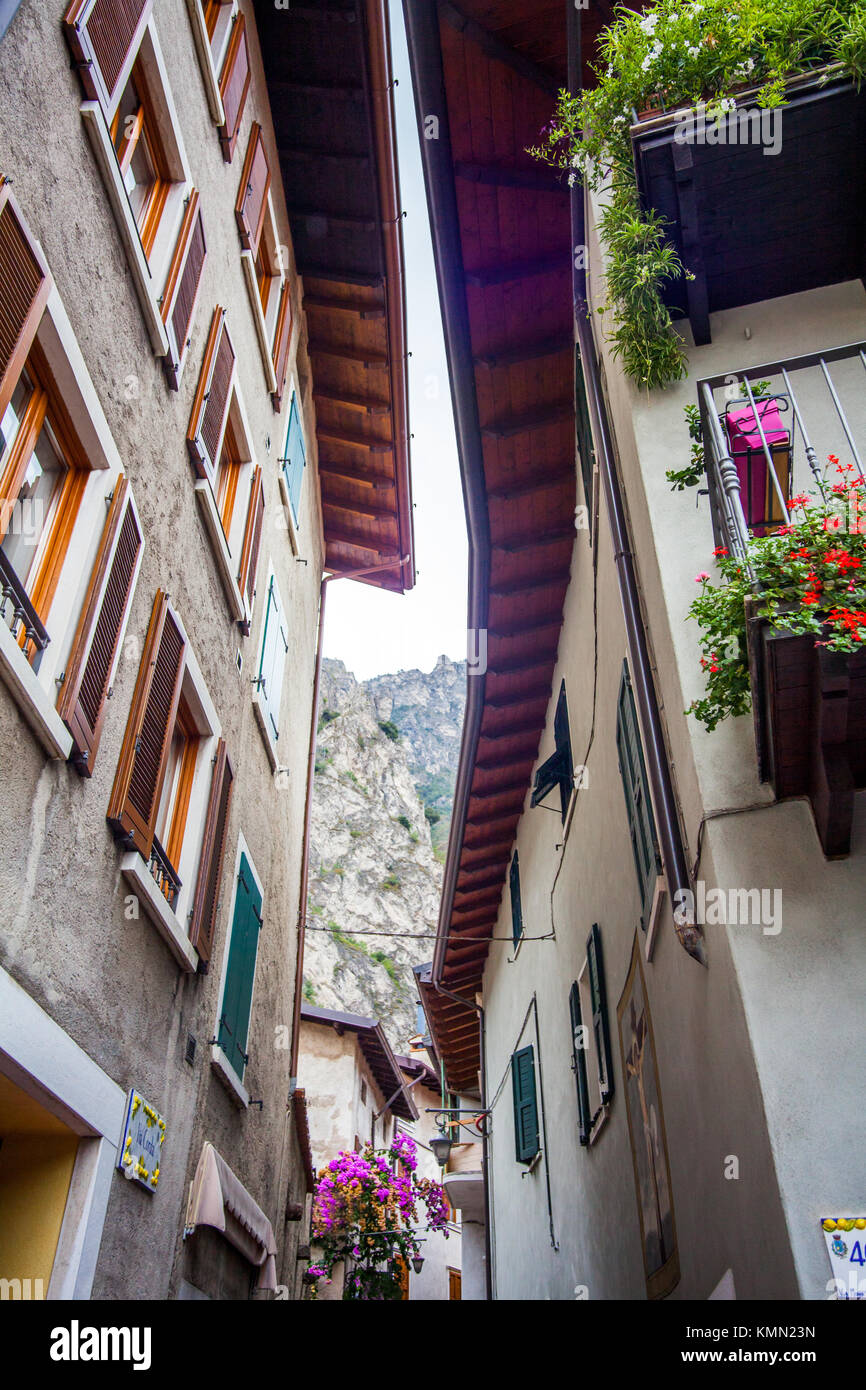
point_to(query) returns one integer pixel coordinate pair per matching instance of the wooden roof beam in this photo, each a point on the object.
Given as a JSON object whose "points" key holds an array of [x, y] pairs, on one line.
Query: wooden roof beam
{"points": [[516, 784], [368, 357], [506, 630], [521, 586], [539, 691], [507, 176], [339, 436], [314, 156], [556, 478], [513, 546], [344, 306], [522, 424], [377, 481], [338, 219], [497, 49], [333, 396], [506, 271], [345, 504], [527, 352], [338, 535]]}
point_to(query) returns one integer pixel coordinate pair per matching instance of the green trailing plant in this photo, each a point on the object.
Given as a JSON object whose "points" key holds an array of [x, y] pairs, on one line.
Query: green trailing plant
{"points": [[387, 964], [679, 55], [806, 578]]}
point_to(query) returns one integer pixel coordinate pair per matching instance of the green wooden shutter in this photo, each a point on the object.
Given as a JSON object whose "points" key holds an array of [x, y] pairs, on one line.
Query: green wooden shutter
{"points": [[240, 972], [637, 801], [295, 460], [516, 909], [525, 1105], [562, 734], [275, 645], [578, 1052], [600, 1022]]}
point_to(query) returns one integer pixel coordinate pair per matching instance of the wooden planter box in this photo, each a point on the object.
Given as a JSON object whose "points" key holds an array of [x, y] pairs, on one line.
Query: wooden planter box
{"points": [[810, 726]]}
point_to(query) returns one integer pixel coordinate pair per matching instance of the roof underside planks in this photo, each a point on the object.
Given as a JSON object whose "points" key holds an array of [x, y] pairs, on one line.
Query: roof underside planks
{"points": [[502, 63], [328, 71]]}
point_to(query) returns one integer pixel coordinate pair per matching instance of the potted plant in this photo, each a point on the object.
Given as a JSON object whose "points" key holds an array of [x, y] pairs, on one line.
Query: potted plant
{"points": [[784, 633], [679, 56]]}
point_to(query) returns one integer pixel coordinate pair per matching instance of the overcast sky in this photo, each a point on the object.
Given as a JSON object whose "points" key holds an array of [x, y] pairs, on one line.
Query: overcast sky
{"points": [[373, 631]]}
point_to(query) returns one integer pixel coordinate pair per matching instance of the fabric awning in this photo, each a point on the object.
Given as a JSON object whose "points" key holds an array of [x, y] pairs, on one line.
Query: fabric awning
{"points": [[218, 1198]]}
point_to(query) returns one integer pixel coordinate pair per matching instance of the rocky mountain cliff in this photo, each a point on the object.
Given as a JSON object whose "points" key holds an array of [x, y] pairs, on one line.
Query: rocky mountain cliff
{"points": [[385, 765]]}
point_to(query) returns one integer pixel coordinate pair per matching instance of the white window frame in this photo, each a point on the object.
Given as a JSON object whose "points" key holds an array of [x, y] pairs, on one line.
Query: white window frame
{"points": [[43, 1060], [227, 548], [292, 390], [266, 324], [212, 63], [220, 1063], [263, 698], [36, 691], [590, 1053], [149, 275], [173, 923]]}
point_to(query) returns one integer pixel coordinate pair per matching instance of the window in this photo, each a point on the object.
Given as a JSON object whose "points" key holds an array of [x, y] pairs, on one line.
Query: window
{"points": [[632, 769], [525, 1105], [558, 771], [171, 797], [363, 1091], [220, 34], [293, 464], [272, 661], [592, 1060], [229, 1055], [229, 489], [516, 908], [70, 536], [132, 122], [266, 276]]}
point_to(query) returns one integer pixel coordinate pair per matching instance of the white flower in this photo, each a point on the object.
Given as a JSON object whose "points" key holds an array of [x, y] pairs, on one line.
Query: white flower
{"points": [[572, 179], [727, 104], [649, 22]]}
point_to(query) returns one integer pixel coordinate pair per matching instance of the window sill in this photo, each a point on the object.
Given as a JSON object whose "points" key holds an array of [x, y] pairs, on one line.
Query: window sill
{"points": [[236, 603], [659, 894], [100, 138], [600, 1121], [32, 700], [249, 266], [137, 875], [262, 720], [291, 528], [229, 1077], [209, 76]]}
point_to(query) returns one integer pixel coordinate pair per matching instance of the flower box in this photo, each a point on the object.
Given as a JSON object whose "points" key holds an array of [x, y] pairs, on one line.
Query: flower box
{"points": [[810, 725]]}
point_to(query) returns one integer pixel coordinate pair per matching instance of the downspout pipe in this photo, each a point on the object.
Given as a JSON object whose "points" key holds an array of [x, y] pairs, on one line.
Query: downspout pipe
{"points": [[658, 768]]}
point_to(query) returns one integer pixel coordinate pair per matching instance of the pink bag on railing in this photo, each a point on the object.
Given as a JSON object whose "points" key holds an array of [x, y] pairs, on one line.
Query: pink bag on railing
{"points": [[760, 503]]}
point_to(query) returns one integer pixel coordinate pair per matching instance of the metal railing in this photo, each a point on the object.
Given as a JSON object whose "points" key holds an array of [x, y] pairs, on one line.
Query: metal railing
{"points": [[164, 875], [828, 415], [23, 617]]}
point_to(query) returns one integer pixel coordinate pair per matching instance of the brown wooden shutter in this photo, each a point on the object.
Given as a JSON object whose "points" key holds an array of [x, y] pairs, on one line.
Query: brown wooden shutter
{"points": [[253, 193], [25, 284], [134, 802], [101, 34], [182, 286], [211, 403], [234, 85], [206, 901], [282, 342], [252, 542], [91, 663]]}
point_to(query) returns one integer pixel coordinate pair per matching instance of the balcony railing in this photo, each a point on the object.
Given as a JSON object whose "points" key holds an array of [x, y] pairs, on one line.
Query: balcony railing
{"points": [[809, 703], [821, 400], [164, 875], [18, 612]]}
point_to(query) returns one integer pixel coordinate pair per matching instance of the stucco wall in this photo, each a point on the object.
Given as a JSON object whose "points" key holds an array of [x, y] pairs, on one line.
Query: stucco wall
{"points": [[756, 1054], [439, 1251], [110, 981]]}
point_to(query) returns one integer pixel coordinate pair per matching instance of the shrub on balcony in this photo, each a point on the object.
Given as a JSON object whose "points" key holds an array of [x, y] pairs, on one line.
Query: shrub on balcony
{"points": [[366, 1214], [678, 55], [806, 578]]}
